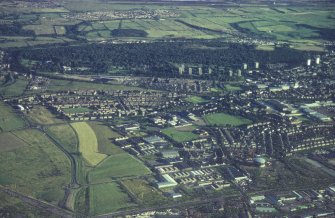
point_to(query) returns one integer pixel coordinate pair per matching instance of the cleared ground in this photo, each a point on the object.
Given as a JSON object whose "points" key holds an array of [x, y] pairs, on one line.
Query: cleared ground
{"points": [[88, 143], [222, 119], [108, 197]]}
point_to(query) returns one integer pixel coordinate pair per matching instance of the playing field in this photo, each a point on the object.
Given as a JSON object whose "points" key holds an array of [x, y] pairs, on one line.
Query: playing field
{"points": [[196, 99], [65, 136], [117, 166], [8, 119], [104, 135], [37, 168], [223, 119], [180, 134], [108, 197], [88, 143]]}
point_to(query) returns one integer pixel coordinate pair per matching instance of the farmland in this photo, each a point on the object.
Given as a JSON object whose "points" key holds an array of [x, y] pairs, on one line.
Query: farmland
{"points": [[8, 141], [108, 197], [38, 168], [225, 119], [15, 88], [88, 143], [180, 134], [8, 119], [117, 166]]}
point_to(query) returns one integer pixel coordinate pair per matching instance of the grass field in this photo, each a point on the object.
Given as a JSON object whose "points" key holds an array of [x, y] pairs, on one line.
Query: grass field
{"points": [[38, 168], [41, 115], [8, 142], [180, 134], [8, 119], [14, 89], [88, 143], [65, 136], [196, 99], [225, 119], [117, 166], [145, 192], [108, 197], [104, 135]]}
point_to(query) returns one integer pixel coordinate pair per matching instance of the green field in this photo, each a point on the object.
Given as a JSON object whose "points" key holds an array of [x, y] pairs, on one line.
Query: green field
{"points": [[104, 135], [223, 119], [88, 143], [41, 115], [108, 197], [117, 166], [14, 89], [196, 99], [8, 141], [38, 168], [145, 193], [65, 136], [180, 134], [8, 119]]}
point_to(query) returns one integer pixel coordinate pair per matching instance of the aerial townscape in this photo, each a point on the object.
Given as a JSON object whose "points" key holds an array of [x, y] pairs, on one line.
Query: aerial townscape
{"points": [[167, 108]]}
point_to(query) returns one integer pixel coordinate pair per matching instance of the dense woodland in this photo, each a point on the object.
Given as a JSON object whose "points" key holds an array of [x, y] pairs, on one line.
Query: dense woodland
{"points": [[154, 58]]}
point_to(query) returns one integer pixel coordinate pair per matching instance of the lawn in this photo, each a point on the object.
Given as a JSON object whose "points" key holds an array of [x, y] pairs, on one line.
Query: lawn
{"points": [[144, 192], [180, 134], [64, 135], [108, 197], [223, 119], [8, 141], [196, 99], [41, 115], [117, 166], [38, 168], [104, 135], [8, 119], [88, 143]]}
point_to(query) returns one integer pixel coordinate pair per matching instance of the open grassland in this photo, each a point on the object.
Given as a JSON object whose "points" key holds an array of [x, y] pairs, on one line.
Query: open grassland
{"points": [[41, 115], [225, 119], [108, 197], [88, 143], [117, 166], [104, 135], [145, 193], [196, 99], [8, 141], [38, 168], [64, 135], [8, 119], [180, 134], [14, 89]]}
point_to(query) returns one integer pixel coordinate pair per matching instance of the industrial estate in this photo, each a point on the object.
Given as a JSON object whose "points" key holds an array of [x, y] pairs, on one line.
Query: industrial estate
{"points": [[167, 108]]}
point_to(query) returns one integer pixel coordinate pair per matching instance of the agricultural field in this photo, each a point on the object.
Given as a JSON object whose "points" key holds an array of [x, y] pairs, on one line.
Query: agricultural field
{"points": [[117, 166], [88, 143], [144, 192], [104, 135], [223, 119], [64, 135], [41, 115], [108, 197], [38, 168], [180, 134], [9, 120]]}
